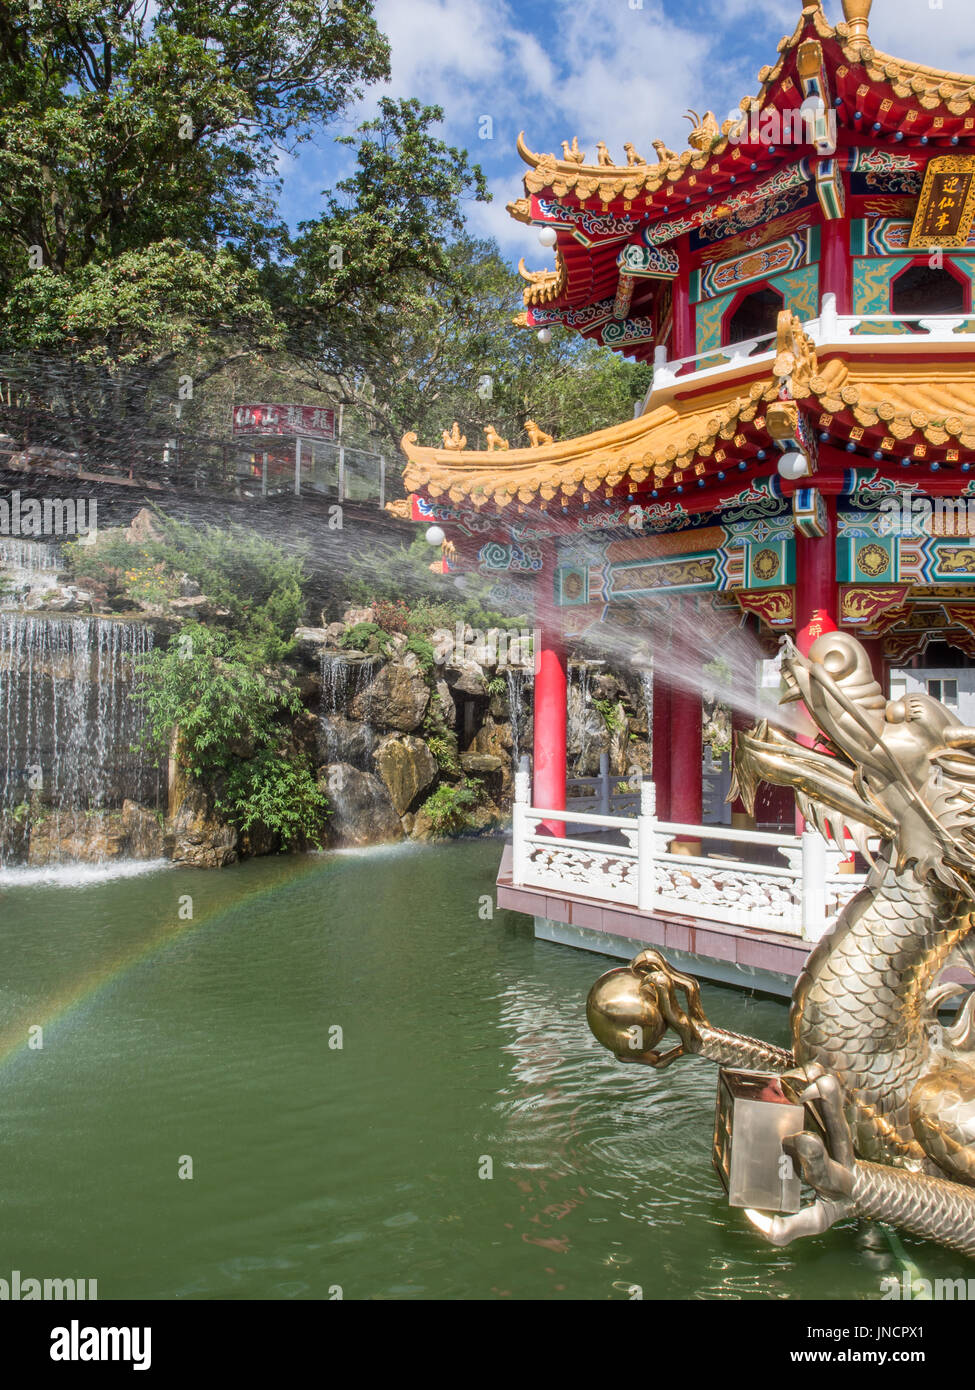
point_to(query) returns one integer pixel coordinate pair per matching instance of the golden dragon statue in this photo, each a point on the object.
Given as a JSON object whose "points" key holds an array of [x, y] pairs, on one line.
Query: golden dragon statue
{"points": [[891, 1086]]}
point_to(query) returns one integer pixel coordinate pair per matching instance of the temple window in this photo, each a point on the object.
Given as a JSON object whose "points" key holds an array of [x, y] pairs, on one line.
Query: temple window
{"points": [[920, 289], [756, 316]]}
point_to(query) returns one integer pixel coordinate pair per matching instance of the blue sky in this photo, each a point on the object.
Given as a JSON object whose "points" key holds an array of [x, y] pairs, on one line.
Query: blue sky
{"points": [[601, 69]]}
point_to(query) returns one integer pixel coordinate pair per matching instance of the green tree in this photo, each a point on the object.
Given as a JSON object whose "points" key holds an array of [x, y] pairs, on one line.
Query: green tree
{"points": [[447, 350], [232, 716]]}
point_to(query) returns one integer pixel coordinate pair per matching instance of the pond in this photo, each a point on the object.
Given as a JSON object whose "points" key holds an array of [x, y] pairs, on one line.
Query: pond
{"points": [[383, 1090]]}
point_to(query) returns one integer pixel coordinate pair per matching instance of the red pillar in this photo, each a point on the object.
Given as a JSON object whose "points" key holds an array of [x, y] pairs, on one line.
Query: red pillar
{"points": [[837, 266], [550, 699], [816, 598], [662, 691], [816, 579], [686, 789], [874, 647], [683, 339]]}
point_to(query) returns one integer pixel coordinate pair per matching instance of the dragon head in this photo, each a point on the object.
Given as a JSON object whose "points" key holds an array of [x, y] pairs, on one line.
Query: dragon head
{"points": [[901, 769]]}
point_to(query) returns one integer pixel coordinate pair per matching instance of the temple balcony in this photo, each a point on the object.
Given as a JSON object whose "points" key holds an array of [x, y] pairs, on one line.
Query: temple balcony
{"points": [[850, 334], [739, 906]]}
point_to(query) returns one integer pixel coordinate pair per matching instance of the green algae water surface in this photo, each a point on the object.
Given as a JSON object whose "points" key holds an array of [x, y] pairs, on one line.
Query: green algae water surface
{"points": [[381, 1091]]}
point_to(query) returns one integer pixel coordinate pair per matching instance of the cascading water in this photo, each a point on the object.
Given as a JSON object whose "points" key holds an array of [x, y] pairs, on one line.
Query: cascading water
{"points": [[519, 679], [580, 725], [27, 570], [342, 681], [68, 724], [646, 688]]}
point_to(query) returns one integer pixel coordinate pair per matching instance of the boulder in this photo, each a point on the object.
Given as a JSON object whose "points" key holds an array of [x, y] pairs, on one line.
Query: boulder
{"points": [[443, 641], [351, 616], [447, 706], [493, 772], [76, 837], [197, 606], [310, 642], [481, 762], [143, 527], [396, 697], [361, 811], [143, 831], [407, 767], [494, 740], [67, 598], [466, 677], [194, 834]]}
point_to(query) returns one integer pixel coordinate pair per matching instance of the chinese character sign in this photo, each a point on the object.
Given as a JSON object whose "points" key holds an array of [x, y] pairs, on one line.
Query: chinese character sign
{"points": [[946, 207], [304, 421]]}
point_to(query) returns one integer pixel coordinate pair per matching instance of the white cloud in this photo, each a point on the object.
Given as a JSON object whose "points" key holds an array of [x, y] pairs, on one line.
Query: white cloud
{"points": [[607, 72]]}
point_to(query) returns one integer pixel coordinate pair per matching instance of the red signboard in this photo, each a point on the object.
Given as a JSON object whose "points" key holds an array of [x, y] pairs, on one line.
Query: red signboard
{"points": [[301, 421]]}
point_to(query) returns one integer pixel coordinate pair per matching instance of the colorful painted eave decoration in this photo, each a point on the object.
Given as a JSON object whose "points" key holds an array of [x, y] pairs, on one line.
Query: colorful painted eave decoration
{"points": [[598, 207]]}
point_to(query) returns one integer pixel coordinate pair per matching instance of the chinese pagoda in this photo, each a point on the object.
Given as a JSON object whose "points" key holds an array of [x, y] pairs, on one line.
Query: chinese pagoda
{"points": [[801, 278]]}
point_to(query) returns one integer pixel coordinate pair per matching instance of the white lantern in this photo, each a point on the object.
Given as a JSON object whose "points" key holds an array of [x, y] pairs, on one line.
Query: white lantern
{"points": [[435, 535], [793, 466], [545, 335], [548, 236]]}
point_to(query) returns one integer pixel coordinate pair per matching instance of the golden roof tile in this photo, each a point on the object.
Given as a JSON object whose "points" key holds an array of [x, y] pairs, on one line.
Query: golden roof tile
{"points": [[664, 442], [930, 87]]}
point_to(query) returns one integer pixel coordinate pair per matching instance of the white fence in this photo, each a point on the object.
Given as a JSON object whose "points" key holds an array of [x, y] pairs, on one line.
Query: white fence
{"points": [[857, 332], [766, 881]]}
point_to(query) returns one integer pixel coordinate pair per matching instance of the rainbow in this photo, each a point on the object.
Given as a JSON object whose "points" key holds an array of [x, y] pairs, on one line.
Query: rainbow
{"points": [[56, 1008]]}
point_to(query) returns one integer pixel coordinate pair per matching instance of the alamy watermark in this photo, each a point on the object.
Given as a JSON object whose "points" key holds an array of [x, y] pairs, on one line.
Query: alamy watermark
{"points": [[910, 515], [21, 1288], [47, 516], [910, 1286]]}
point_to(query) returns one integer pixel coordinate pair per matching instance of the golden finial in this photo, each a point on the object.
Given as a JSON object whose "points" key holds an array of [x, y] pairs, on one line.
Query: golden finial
{"points": [[857, 14]]}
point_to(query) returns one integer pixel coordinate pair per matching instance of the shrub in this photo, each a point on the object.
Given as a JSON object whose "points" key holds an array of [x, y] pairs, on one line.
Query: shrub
{"points": [[365, 637], [423, 650], [231, 714], [392, 615], [450, 805]]}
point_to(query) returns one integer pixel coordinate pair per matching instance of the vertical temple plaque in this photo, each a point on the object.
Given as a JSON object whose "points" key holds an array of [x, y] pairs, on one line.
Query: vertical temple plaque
{"points": [[752, 1117], [946, 208]]}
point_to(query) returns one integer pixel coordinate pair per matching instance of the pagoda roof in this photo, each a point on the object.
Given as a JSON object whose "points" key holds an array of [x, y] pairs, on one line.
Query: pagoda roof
{"points": [[921, 409], [597, 207]]}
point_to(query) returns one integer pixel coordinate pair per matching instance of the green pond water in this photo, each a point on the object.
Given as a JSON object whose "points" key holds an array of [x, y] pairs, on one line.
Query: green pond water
{"points": [[360, 1167]]}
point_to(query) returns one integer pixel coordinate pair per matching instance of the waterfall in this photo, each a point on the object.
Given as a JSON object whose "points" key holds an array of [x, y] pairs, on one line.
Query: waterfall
{"points": [[579, 689], [646, 686], [342, 680], [27, 568], [67, 720], [519, 678]]}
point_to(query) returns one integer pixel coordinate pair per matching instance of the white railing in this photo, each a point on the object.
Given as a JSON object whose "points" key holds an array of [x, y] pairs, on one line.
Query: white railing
{"points": [[721, 359], [828, 330], [630, 861]]}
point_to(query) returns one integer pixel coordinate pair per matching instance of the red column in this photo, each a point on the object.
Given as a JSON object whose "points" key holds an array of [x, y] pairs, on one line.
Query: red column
{"points": [[683, 340], [874, 647], [550, 699], [816, 598], [816, 578], [837, 266], [662, 691], [685, 726]]}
